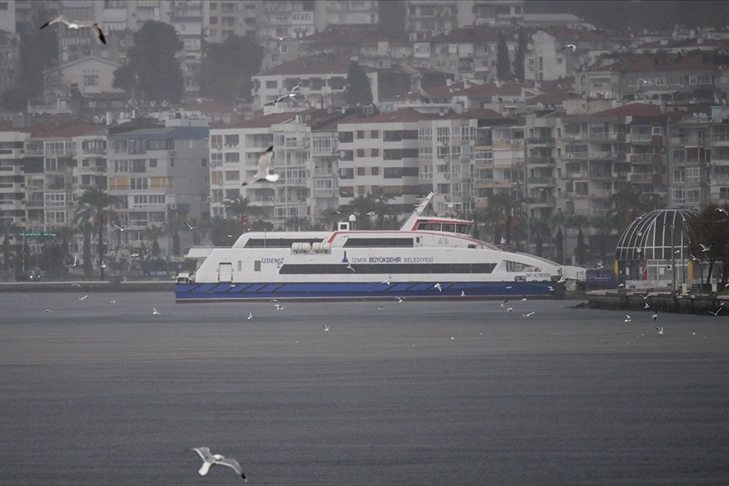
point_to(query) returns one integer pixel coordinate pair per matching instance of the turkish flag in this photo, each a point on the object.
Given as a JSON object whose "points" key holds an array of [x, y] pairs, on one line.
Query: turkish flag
{"points": [[244, 219]]}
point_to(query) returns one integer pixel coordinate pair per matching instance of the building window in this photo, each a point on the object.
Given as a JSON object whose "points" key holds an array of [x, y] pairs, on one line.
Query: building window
{"points": [[360, 152], [91, 80], [360, 171]]}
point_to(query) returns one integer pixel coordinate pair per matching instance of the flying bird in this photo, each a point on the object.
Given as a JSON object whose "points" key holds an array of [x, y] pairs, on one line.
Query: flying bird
{"points": [[510, 309], [659, 329], [504, 302], [250, 316], [569, 46], [279, 307], [717, 310], [463, 293], [76, 25], [326, 328], [400, 299], [291, 95], [336, 212], [190, 227], [83, 298], [372, 213], [75, 262], [75, 285], [647, 305], [722, 210], [437, 286], [212, 459], [655, 315], [119, 227], [523, 297], [528, 314], [49, 311], [263, 165], [705, 248], [155, 312], [349, 266], [644, 81], [627, 318]]}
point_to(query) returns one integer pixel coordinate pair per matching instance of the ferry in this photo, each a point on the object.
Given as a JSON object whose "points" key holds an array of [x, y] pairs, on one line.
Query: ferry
{"points": [[427, 258]]}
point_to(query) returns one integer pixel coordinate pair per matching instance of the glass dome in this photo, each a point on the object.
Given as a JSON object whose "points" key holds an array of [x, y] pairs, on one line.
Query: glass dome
{"points": [[657, 235]]}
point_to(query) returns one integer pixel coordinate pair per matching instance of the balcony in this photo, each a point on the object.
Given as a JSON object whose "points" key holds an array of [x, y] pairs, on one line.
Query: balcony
{"points": [[577, 175], [540, 160], [642, 178], [640, 137], [540, 141], [542, 201], [577, 155], [640, 157], [602, 155], [544, 181]]}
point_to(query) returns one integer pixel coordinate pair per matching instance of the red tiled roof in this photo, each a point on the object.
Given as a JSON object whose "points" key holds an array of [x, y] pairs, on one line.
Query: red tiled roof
{"points": [[261, 121], [556, 98], [692, 61], [466, 35], [566, 34], [478, 114], [68, 131], [633, 109], [208, 106], [685, 43], [405, 115], [350, 34], [312, 65]]}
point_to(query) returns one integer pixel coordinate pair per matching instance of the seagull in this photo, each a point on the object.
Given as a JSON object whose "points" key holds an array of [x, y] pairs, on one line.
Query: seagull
{"points": [[75, 285], [437, 286], [279, 307], [523, 297], [119, 227], [372, 213], [75, 262], [561, 280], [76, 25], [647, 305], [621, 284], [659, 329], [113, 302], [550, 288], [103, 264], [380, 308], [655, 315], [509, 287], [49, 311], [717, 310], [529, 314], [722, 210], [349, 266], [336, 212], [263, 164], [155, 312], [695, 258], [400, 299], [705, 248], [463, 293], [569, 46], [84, 297], [250, 316], [644, 81], [190, 227], [326, 328], [291, 95], [504, 302], [212, 459], [510, 309], [627, 318]]}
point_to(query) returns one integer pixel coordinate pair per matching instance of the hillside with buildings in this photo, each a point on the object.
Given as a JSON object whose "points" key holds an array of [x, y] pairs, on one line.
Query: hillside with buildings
{"points": [[541, 116]]}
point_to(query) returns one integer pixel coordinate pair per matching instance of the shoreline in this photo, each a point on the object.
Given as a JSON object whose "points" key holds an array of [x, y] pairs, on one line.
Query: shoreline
{"points": [[88, 286]]}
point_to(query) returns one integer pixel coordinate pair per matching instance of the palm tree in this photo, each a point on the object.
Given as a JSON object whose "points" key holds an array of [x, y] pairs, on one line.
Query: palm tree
{"points": [[239, 207], [96, 205], [540, 231], [559, 219], [381, 205], [86, 228], [363, 207], [506, 210], [173, 226], [7, 227], [604, 226], [579, 221], [63, 235], [152, 234]]}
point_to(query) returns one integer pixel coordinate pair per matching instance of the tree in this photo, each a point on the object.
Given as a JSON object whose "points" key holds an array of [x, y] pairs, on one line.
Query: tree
{"points": [[506, 210], [239, 207], [559, 219], [38, 52], [604, 226], [152, 234], [358, 90], [707, 239], [628, 205], [503, 64], [152, 66], [173, 226], [519, 56], [86, 228], [381, 205], [95, 206], [7, 227], [579, 221], [226, 69], [540, 230], [392, 19]]}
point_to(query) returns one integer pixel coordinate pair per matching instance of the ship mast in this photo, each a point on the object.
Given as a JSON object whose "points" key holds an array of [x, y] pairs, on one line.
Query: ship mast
{"points": [[418, 211]]}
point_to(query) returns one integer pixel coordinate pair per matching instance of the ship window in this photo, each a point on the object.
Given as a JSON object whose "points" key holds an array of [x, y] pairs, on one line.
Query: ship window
{"points": [[520, 267], [462, 228], [257, 265], [449, 227], [379, 242], [240, 266], [429, 226], [396, 267]]}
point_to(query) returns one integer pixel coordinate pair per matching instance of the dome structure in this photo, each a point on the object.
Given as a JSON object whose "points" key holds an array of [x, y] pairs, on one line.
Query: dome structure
{"points": [[654, 236], [652, 246]]}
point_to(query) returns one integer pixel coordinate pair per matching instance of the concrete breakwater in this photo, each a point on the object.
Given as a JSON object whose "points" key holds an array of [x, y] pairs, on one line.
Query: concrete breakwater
{"points": [[89, 286], [662, 301]]}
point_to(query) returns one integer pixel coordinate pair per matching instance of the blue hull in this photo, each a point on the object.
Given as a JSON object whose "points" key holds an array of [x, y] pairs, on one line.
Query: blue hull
{"points": [[212, 292]]}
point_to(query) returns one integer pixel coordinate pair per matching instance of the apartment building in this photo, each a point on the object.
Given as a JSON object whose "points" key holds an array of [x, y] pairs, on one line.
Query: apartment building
{"points": [[156, 172], [339, 12], [12, 178]]}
